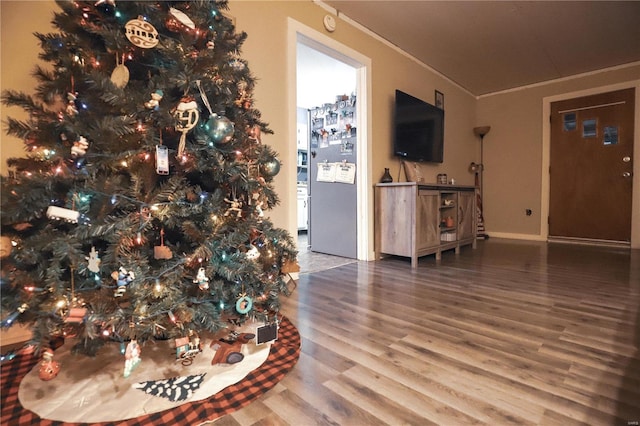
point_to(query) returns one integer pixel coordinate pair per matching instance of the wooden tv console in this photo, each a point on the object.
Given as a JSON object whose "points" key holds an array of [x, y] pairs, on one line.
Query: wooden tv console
{"points": [[415, 220]]}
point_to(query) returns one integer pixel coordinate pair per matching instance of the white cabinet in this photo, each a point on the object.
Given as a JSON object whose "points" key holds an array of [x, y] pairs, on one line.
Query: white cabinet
{"points": [[303, 208], [415, 220]]}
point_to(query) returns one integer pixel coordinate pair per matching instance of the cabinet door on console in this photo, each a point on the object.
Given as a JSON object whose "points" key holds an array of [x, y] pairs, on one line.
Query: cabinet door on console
{"points": [[397, 219], [427, 231], [466, 214]]}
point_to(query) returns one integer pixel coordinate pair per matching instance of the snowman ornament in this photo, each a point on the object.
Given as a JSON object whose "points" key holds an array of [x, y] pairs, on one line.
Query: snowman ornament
{"points": [[201, 279]]}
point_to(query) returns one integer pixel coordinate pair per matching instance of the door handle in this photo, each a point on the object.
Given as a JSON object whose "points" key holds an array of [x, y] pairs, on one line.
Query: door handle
{"points": [[626, 174]]}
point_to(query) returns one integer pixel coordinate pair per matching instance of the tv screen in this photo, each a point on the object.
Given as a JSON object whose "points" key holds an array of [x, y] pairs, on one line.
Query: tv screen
{"points": [[419, 130]]}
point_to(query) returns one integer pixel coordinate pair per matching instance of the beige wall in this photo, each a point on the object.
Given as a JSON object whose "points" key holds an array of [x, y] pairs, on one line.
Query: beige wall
{"points": [[513, 148], [19, 51], [265, 48]]}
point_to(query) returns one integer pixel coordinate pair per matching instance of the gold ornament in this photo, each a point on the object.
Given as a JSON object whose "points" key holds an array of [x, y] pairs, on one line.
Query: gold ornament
{"points": [[5, 247], [141, 33], [120, 74]]}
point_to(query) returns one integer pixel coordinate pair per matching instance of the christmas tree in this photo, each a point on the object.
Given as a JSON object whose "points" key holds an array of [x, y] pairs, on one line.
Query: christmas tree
{"points": [[138, 210]]}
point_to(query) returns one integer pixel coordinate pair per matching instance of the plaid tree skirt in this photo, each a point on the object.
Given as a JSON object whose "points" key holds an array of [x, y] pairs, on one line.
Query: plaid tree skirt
{"points": [[282, 357]]}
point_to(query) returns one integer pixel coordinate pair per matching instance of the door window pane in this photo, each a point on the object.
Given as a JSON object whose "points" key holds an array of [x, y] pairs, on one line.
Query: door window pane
{"points": [[610, 135], [589, 128], [569, 121]]}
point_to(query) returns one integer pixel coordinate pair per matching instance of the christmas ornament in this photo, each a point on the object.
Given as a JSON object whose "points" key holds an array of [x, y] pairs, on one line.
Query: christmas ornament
{"points": [[181, 18], [187, 348], [49, 368], [244, 304], [229, 350], [120, 74], [236, 63], [254, 133], [219, 129], [94, 261], [202, 280], [162, 251], [162, 160], [72, 109], [154, 102], [132, 357], [67, 215], [5, 246], [122, 277], [235, 205], [244, 97], [253, 253], [141, 33], [174, 389], [76, 315], [79, 148], [270, 168], [187, 114]]}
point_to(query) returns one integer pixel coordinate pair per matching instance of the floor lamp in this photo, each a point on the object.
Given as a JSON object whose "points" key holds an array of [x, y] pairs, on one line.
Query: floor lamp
{"points": [[478, 169]]}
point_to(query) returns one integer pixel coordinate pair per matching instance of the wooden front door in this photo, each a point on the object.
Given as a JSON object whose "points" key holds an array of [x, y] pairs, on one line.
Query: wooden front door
{"points": [[591, 165]]}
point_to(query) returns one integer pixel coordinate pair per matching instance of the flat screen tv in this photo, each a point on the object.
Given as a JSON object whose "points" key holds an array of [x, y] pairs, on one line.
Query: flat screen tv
{"points": [[419, 130]]}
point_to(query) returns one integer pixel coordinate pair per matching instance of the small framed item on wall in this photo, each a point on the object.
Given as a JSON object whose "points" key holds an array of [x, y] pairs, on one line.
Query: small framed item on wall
{"points": [[439, 100]]}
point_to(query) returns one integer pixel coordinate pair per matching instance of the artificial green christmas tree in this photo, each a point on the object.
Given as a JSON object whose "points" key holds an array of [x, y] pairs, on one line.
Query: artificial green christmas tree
{"points": [[138, 211]]}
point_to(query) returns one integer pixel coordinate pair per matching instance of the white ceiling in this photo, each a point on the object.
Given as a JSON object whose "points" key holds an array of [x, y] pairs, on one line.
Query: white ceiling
{"points": [[320, 78], [490, 46]]}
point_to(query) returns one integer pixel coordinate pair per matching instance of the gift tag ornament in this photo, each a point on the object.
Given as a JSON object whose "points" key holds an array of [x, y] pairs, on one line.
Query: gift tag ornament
{"points": [[141, 33], [162, 160]]}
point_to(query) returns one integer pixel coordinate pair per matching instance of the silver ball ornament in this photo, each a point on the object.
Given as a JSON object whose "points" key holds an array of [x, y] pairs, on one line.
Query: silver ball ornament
{"points": [[270, 168], [219, 128]]}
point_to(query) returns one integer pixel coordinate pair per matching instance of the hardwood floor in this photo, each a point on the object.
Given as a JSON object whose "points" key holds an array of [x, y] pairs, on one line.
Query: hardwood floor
{"points": [[510, 333]]}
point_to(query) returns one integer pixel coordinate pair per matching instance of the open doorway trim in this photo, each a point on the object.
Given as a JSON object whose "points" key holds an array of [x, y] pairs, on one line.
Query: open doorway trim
{"points": [[298, 32]]}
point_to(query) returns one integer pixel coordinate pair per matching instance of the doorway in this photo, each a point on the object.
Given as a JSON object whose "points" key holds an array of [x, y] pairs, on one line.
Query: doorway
{"points": [[354, 78], [591, 168]]}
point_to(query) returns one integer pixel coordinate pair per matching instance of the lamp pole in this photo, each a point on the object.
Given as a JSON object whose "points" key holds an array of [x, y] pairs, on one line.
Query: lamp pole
{"points": [[481, 132]]}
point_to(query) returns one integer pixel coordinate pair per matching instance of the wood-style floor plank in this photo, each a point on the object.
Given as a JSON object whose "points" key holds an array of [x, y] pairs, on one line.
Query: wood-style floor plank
{"points": [[514, 332]]}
